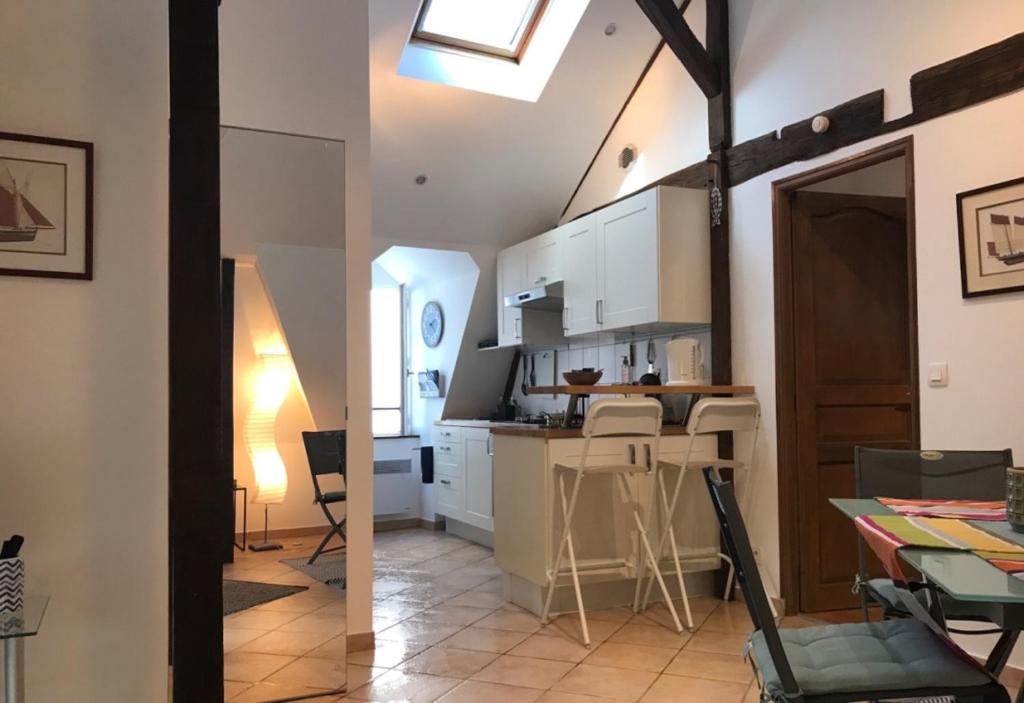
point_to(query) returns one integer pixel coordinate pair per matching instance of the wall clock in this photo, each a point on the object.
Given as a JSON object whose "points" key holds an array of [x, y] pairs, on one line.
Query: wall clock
{"points": [[432, 324]]}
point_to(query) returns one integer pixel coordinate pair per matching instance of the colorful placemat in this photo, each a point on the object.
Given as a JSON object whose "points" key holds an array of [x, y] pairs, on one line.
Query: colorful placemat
{"points": [[994, 510]]}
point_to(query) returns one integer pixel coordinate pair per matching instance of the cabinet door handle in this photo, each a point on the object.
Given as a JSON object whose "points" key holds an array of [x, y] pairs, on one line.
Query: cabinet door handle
{"points": [[600, 311], [516, 326], [445, 482], [565, 319], [541, 280], [490, 445]]}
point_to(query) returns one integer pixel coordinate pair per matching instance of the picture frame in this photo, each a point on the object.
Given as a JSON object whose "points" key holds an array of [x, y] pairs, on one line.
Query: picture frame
{"points": [[991, 229], [46, 207]]}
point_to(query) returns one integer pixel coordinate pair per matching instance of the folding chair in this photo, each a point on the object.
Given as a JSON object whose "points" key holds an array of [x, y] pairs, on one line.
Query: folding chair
{"points": [[326, 454], [867, 661]]}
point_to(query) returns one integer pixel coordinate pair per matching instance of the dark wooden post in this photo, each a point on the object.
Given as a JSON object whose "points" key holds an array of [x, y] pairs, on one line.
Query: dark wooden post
{"points": [[197, 498]]}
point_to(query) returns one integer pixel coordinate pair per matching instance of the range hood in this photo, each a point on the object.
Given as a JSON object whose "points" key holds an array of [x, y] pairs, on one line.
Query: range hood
{"points": [[549, 297]]}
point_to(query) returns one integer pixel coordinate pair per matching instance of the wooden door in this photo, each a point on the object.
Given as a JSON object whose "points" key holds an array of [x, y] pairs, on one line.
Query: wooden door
{"points": [[627, 262], [580, 272], [855, 368]]}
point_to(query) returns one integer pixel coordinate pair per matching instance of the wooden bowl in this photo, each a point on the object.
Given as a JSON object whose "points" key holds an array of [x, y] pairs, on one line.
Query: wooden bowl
{"points": [[582, 378]]}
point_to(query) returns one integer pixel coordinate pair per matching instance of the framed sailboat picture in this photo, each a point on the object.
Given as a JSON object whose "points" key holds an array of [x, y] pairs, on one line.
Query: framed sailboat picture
{"points": [[991, 223], [45, 207]]}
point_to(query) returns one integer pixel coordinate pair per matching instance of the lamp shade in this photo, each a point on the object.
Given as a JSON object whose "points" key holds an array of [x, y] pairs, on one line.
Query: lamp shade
{"points": [[270, 386]]}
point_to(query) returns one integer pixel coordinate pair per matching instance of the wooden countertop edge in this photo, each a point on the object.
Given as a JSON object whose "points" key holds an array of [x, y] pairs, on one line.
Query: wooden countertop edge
{"points": [[619, 389], [566, 433]]}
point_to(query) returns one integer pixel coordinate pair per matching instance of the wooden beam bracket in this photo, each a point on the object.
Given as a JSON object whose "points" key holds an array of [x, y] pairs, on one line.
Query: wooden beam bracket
{"points": [[669, 22]]}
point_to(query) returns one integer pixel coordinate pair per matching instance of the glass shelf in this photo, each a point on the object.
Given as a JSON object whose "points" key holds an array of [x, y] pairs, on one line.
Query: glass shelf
{"points": [[25, 622]]}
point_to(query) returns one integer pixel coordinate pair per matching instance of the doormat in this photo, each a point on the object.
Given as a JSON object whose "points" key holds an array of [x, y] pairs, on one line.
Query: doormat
{"points": [[328, 568], [241, 595]]}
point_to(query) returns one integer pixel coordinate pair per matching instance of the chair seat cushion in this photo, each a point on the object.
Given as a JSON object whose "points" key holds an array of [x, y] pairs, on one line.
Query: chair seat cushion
{"points": [[884, 592], [892, 655], [333, 497]]}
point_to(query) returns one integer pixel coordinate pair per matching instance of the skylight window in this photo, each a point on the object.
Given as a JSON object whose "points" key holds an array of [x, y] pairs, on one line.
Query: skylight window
{"points": [[496, 27]]}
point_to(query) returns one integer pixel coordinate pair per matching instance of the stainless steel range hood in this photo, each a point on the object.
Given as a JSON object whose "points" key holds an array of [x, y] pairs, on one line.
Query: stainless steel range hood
{"points": [[549, 297]]}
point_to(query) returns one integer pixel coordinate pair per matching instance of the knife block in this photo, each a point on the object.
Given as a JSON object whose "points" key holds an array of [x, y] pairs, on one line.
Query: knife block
{"points": [[12, 585]]}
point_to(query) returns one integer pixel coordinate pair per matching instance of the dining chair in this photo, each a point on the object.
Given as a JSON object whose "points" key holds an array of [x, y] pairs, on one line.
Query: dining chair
{"points": [[909, 473], [637, 421], [325, 451], [890, 659]]}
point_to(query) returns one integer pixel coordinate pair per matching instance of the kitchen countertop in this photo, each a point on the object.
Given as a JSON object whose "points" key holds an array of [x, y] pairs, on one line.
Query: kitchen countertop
{"points": [[521, 429]]}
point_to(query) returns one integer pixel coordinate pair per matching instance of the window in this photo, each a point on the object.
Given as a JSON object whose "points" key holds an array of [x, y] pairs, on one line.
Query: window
{"points": [[495, 27], [388, 366]]}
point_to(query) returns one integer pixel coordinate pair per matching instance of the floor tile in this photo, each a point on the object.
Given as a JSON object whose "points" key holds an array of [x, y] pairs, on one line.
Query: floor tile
{"points": [[316, 623], [563, 697], [514, 622], [335, 648], [261, 692], [396, 686], [446, 614], [480, 691], [252, 619], [385, 654], [705, 665], [299, 604], [312, 672], [281, 642], [548, 647], [235, 637], [424, 633], [717, 642], [484, 640], [729, 619], [650, 636], [631, 656], [569, 626], [604, 682], [524, 671], [477, 599], [234, 688], [448, 661], [250, 666], [362, 675], [685, 689]]}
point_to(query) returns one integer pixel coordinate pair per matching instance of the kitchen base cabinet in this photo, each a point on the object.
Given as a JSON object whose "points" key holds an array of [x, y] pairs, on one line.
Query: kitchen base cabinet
{"points": [[528, 522], [463, 475]]}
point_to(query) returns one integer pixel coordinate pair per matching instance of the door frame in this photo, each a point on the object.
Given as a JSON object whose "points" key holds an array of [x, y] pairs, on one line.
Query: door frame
{"points": [[785, 343]]}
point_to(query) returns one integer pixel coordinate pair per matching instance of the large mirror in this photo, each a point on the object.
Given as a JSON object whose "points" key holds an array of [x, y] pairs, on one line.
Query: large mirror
{"points": [[283, 234]]}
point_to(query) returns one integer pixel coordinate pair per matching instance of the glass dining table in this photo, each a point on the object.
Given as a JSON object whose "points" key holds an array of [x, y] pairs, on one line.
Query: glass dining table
{"points": [[966, 577]]}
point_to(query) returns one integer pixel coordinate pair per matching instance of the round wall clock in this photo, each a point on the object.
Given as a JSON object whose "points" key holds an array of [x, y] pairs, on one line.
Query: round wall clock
{"points": [[432, 324]]}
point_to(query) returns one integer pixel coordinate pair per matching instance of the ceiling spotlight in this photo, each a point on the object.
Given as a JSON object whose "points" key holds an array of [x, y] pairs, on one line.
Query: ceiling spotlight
{"points": [[610, 29], [421, 179]]}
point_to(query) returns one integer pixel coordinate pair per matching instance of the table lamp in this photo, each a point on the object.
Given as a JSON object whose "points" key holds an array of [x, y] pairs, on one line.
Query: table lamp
{"points": [[271, 386]]}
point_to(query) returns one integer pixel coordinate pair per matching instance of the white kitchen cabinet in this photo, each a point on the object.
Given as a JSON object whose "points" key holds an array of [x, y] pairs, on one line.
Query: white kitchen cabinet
{"points": [[653, 260], [479, 473], [464, 475], [511, 277], [543, 259], [580, 285], [639, 264]]}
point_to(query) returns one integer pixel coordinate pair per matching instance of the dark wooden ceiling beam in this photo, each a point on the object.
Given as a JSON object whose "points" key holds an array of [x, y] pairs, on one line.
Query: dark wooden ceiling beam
{"points": [[669, 22]]}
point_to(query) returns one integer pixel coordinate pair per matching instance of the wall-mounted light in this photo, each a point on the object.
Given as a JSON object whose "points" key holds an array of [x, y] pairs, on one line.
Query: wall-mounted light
{"points": [[270, 387], [627, 157]]}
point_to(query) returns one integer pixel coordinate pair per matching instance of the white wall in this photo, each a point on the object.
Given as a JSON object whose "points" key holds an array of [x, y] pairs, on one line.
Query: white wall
{"points": [[304, 68], [792, 58], [83, 443]]}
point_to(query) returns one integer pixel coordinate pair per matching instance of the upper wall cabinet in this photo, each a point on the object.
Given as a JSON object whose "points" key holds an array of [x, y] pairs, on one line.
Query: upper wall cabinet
{"points": [[638, 264], [535, 263]]}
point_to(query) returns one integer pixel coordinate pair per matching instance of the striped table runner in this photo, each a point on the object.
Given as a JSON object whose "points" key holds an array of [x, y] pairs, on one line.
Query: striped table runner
{"points": [[885, 534], [993, 510]]}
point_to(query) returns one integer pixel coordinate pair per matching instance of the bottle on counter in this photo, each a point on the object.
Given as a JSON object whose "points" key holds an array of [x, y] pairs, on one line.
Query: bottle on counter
{"points": [[625, 376]]}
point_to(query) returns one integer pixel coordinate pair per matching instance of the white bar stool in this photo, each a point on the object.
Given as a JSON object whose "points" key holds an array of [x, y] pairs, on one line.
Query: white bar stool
{"points": [[638, 418], [709, 416]]}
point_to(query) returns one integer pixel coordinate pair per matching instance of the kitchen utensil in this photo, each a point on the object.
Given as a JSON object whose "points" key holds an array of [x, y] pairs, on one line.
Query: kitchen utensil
{"points": [[650, 379], [583, 377], [533, 369], [685, 362], [651, 356], [524, 385]]}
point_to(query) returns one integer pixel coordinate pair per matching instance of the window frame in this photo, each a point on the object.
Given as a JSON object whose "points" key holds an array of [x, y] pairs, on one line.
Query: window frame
{"points": [[402, 371], [444, 40]]}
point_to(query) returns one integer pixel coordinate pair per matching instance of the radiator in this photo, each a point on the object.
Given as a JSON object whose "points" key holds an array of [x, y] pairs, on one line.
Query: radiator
{"points": [[396, 489]]}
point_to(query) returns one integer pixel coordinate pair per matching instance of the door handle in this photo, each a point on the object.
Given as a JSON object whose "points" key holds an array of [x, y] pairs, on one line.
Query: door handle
{"points": [[518, 333], [597, 311], [565, 319], [490, 445], [445, 482], [600, 311]]}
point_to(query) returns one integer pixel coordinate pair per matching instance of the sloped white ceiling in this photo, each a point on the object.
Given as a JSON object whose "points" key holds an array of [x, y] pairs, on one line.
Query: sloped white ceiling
{"points": [[498, 170]]}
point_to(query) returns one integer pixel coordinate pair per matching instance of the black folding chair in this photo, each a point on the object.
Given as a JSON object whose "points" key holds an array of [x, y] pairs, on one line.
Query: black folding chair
{"points": [[906, 658], [903, 473], [326, 453]]}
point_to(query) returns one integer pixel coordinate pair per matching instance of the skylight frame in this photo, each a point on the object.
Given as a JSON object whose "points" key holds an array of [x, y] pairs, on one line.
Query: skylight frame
{"points": [[444, 40]]}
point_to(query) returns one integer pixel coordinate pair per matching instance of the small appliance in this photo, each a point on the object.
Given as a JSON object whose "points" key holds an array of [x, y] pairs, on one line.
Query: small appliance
{"points": [[685, 362]]}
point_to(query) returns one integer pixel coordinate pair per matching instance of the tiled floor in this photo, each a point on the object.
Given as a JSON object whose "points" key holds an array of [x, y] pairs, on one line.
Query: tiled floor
{"points": [[445, 634]]}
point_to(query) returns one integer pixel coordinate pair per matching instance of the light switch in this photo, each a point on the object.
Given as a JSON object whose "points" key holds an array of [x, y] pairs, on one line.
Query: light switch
{"points": [[938, 374]]}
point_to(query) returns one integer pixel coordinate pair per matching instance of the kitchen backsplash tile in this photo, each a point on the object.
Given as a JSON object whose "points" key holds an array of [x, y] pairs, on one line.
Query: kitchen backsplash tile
{"points": [[605, 353]]}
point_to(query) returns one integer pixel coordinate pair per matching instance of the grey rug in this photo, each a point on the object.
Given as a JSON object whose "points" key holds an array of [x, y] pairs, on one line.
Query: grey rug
{"points": [[240, 595], [328, 568]]}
